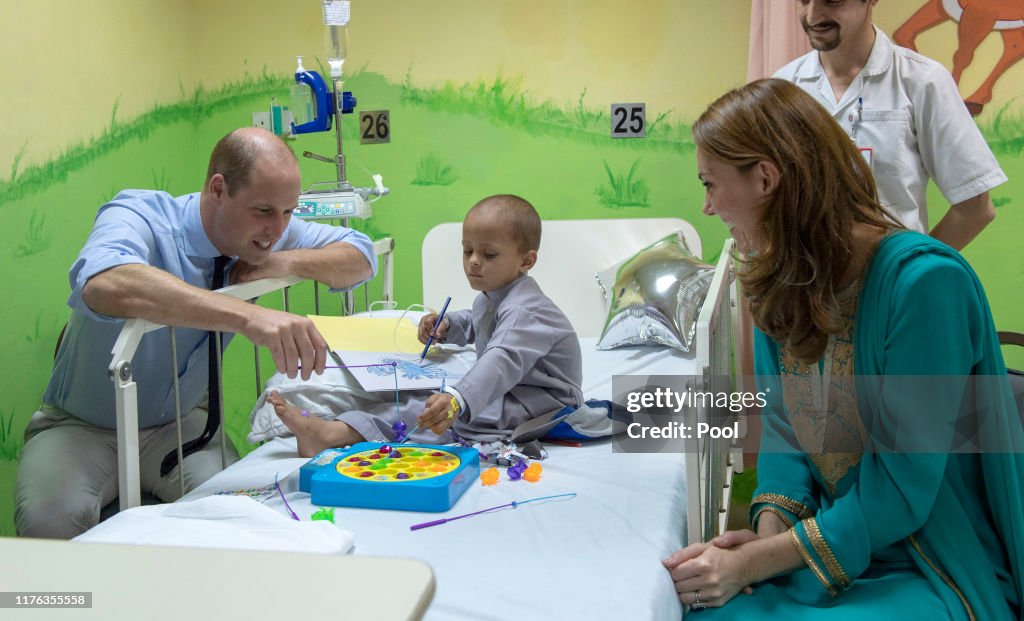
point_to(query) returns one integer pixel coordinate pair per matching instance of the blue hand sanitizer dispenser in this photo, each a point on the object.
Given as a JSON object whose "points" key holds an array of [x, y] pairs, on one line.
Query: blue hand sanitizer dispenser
{"points": [[317, 94]]}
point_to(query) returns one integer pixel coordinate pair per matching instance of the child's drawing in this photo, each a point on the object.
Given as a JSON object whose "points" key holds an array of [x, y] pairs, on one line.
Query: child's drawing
{"points": [[409, 369], [375, 371]]}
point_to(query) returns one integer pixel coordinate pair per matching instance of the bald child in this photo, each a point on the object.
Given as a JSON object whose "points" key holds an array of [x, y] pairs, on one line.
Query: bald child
{"points": [[529, 361]]}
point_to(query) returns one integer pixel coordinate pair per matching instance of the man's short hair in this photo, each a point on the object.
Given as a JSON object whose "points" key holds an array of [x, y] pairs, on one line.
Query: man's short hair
{"points": [[235, 155]]}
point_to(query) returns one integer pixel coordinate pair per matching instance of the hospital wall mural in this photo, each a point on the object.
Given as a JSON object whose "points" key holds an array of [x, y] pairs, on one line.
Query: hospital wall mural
{"points": [[483, 97], [976, 20]]}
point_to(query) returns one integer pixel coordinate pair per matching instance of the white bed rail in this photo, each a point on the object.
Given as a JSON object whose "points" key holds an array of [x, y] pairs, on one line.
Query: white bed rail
{"points": [[710, 462], [125, 394]]}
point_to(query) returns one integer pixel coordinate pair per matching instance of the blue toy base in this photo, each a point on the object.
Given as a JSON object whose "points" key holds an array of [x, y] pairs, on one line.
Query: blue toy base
{"points": [[405, 477]]}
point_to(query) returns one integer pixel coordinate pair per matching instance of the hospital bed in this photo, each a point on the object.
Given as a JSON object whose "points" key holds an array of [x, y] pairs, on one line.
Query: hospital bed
{"points": [[598, 555]]}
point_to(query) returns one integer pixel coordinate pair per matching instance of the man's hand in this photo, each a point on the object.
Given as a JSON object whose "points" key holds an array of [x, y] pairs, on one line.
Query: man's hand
{"points": [[293, 341], [427, 324]]}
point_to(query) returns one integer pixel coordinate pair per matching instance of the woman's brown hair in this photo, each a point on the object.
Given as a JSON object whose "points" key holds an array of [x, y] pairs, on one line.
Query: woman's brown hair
{"points": [[824, 187]]}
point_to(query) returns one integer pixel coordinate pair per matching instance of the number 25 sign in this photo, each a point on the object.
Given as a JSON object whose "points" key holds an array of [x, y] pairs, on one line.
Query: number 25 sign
{"points": [[629, 120]]}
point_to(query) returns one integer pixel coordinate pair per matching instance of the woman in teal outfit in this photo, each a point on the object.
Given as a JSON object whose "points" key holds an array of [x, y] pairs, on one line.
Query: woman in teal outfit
{"points": [[892, 459]]}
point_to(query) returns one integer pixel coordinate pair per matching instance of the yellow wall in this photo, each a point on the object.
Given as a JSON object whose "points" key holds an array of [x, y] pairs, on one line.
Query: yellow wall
{"points": [[61, 88], [65, 64], [558, 46], [620, 51]]}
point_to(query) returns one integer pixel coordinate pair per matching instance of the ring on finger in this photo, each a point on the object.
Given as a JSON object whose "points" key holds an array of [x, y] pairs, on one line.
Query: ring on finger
{"points": [[697, 604]]}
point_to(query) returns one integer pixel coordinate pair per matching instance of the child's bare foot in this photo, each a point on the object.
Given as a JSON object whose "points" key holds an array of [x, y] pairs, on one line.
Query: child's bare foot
{"points": [[312, 433]]}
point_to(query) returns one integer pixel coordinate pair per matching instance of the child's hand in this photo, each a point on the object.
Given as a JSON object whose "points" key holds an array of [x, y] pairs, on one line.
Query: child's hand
{"points": [[439, 412], [427, 324]]}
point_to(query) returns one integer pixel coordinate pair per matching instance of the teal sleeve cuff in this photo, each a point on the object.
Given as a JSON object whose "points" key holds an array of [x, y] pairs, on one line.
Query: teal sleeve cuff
{"points": [[818, 555]]}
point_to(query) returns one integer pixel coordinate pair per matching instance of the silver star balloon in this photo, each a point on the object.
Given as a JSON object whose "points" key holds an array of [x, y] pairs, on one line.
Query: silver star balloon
{"points": [[656, 295]]}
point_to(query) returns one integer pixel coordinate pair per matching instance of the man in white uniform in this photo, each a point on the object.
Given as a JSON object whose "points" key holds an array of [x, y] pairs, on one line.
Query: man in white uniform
{"points": [[904, 112]]}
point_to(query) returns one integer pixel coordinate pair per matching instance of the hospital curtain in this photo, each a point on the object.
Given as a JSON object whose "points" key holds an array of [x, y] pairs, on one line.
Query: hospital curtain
{"points": [[775, 37]]}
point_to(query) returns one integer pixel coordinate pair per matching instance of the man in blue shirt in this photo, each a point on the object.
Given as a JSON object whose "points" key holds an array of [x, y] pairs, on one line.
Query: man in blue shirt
{"points": [[151, 255]]}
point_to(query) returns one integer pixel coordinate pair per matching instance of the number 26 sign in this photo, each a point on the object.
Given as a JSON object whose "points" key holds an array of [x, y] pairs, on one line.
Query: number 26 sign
{"points": [[374, 127]]}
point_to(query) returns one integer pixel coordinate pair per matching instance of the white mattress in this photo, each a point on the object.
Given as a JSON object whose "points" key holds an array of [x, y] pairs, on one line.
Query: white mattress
{"points": [[597, 556]]}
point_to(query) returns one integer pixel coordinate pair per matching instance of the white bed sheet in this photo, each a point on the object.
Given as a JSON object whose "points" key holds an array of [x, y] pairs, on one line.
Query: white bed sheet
{"points": [[597, 556]]}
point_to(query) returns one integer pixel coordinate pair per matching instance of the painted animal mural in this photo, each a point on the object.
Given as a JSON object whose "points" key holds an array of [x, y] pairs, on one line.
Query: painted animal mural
{"points": [[976, 19]]}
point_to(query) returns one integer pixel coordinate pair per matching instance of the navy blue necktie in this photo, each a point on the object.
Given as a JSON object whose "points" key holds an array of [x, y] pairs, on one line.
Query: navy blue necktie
{"points": [[213, 407]]}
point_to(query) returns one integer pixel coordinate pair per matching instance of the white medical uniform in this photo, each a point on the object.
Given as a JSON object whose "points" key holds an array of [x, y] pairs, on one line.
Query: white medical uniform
{"points": [[907, 110]]}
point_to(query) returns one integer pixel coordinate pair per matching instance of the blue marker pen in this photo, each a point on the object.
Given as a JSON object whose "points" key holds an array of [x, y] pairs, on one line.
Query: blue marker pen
{"points": [[440, 318]]}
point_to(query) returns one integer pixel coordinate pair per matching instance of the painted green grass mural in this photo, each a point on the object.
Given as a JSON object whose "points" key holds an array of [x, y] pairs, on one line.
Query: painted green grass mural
{"points": [[202, 104], [42, 327], [626, 190], [10, 438], [502, 100], [491, 133], [8, 469], [160, 181], [432, 171], [16, 162], [1005, 132], [37, 238], [583, 115]]}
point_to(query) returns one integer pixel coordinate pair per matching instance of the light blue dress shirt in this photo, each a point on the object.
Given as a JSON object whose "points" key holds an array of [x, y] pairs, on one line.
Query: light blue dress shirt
{"points": [[157, 229]]}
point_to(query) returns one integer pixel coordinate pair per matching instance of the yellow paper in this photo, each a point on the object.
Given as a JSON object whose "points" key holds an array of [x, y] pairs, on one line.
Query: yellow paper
{"points": [[383, 334]]}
